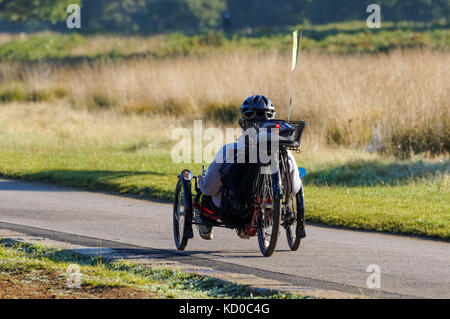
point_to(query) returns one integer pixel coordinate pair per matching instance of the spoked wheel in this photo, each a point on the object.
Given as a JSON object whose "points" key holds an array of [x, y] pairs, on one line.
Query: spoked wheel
{"points": [[180, 217], [292, 214], [269, 217]]}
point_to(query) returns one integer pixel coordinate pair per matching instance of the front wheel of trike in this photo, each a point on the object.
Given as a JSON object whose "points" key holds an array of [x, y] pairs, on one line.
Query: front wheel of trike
{"points": [[180, 217]]}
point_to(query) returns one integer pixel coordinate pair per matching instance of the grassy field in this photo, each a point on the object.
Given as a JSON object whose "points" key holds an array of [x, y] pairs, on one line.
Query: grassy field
{"points": [[399, 102], [39, 272]]}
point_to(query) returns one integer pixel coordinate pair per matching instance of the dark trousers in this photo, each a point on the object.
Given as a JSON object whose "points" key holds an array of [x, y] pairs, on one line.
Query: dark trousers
{"points": [[209, 205]]}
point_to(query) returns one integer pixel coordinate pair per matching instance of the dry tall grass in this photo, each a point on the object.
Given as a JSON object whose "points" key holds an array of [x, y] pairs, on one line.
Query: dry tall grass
{"points": [[401, 100]]}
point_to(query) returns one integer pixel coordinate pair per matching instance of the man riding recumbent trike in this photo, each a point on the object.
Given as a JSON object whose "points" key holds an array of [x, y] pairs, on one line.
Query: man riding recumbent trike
{"points": [[253, 186]]}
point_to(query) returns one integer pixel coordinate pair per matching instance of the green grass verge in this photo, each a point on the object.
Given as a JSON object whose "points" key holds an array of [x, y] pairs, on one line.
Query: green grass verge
{"points": [[409, 197], [19, 257], [346, 38], [417, 208]]}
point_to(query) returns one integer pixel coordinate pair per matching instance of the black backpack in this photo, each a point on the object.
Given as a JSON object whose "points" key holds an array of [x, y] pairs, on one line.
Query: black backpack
{"points": [[237, 191]]}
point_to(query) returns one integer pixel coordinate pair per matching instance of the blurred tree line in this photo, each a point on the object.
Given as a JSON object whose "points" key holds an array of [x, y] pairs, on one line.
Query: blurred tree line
{"points": [[154, 16], [39, 10]]}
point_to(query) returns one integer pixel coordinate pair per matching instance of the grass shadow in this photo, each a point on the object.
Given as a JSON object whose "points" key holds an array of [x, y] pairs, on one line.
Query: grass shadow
{"points": [[372, 173], [98, 180]]}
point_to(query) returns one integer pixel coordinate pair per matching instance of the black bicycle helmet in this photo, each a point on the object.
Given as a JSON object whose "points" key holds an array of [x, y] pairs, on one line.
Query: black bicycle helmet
{"points": [[257, 107]]}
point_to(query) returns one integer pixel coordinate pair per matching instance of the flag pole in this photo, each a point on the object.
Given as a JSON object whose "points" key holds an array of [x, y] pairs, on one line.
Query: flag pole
{"points": [[296, 46]]}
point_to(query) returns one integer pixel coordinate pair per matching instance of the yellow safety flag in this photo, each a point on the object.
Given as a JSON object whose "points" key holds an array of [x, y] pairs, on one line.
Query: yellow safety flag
{"points": [[295, 47]]}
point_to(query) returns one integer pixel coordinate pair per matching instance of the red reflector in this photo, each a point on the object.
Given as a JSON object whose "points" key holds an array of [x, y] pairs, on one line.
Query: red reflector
{"points": [[277, 126]]}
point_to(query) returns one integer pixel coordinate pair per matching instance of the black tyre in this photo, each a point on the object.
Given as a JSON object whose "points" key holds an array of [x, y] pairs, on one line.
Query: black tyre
{"points": [[293, 211], [180, 218], [269, 217]]}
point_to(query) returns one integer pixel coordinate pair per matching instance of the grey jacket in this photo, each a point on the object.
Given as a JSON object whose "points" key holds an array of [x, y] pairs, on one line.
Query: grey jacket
{"points": [[211, 184]]}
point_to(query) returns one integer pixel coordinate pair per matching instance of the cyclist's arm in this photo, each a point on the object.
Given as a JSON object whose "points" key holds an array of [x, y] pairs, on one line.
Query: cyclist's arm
{"points": [[295, 175]]}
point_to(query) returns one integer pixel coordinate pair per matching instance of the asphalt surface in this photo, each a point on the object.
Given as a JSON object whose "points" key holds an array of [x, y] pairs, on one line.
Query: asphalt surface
{"points": [[329, 258]]}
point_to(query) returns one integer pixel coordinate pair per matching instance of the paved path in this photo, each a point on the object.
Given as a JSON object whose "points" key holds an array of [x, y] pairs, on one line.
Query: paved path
{"points": [[328, 259]]}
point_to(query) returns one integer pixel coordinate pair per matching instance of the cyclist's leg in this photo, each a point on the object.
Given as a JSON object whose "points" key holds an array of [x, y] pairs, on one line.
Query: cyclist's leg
{"points": [[206, 232], [212, 210]]}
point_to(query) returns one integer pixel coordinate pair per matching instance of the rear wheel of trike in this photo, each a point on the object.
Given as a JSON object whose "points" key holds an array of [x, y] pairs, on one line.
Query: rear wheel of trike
{"points": [[269, 217], [180, 217]]}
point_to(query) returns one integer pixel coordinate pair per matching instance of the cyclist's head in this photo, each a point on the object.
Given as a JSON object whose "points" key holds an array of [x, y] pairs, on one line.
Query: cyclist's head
{"points": [[257, 108]]}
